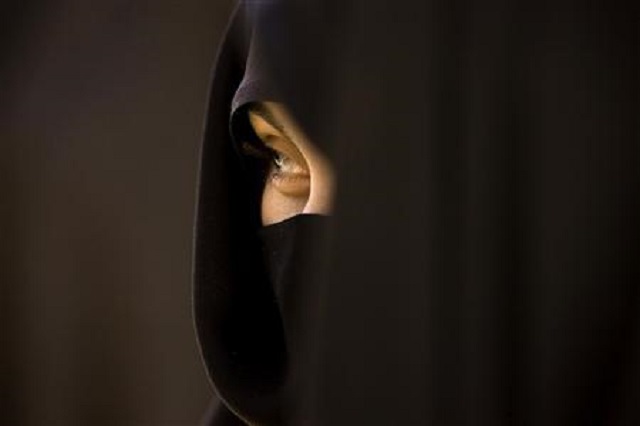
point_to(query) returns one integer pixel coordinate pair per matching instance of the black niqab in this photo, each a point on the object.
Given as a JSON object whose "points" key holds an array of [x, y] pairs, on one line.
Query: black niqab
{"points": [[249, 280]]}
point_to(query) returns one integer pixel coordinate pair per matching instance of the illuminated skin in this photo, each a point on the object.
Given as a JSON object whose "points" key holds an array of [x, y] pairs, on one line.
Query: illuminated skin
{"points": [[300, 179]]}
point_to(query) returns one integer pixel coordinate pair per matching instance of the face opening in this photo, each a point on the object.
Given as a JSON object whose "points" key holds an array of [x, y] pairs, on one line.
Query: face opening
{"points": [[296, 177]]}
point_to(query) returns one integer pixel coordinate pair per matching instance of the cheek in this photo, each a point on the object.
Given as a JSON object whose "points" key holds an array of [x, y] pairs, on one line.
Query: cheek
{"points": [[277, 207], [322, 187]]}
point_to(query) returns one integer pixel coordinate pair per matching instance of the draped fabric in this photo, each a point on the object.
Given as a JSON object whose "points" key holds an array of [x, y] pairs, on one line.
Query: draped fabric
{"points": [[482, 262]]}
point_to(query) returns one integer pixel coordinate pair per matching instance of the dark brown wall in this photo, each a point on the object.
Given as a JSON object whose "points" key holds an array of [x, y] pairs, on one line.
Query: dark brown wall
{"points": [[100, 120]]}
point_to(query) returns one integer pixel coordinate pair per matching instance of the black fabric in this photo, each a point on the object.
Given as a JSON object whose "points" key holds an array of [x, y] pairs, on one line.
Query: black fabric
{"points": [[250, 280], [287, 248], [236, 313], [262, 21], [481, 265]]}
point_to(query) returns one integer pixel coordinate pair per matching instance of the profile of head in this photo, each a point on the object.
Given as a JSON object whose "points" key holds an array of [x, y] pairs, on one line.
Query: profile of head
{"points": [[266, 189]]}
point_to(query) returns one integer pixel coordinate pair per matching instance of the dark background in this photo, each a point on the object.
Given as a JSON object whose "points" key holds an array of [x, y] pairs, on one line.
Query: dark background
{"points": [[101, 110]]}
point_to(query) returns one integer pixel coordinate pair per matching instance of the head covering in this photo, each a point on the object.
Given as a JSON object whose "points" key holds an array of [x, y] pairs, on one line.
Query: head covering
{"points": [[482, 262], [249, 279]]}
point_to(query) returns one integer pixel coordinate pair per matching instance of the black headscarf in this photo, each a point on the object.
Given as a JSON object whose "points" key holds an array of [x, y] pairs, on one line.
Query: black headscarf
{"points": [[249, 279], [482, 262]]}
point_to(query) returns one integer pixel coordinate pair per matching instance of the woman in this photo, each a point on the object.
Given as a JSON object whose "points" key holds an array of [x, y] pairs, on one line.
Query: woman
{"points": [[265, 189], [480, 264]]}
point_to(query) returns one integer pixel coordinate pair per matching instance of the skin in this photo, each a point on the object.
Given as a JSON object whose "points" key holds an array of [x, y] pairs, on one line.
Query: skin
{"points": [[300, 179]]}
